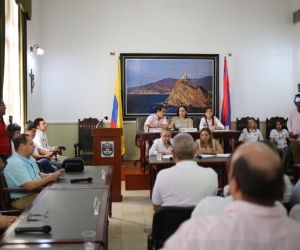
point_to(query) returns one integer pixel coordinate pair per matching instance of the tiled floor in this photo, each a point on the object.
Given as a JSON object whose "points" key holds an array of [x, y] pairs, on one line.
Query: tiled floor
{"points": [[129, 219]]}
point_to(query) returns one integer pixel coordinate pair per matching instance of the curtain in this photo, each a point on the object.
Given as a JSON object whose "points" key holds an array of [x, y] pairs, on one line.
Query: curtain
{"points": [[2, 45], [11, 93], [25, 11]]}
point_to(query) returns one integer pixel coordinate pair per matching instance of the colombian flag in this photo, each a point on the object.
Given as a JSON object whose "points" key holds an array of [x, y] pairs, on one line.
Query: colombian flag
{"points": [[117, 115]]}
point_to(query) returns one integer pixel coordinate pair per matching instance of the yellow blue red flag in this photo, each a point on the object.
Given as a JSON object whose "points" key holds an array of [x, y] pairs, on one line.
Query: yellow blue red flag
{"points": [[117, 115]]}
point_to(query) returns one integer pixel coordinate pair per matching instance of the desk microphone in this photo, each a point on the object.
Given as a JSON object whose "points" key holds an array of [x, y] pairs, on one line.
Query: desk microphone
{"points": [[101, 121], [45, 229], [89, 179]]}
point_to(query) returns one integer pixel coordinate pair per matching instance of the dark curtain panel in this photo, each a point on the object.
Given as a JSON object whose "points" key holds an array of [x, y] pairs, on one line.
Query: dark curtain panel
{"points": [[24, 15], [2, 44]]}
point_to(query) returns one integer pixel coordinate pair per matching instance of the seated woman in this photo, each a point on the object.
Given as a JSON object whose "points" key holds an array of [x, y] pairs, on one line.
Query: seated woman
{"points": [[280, 136], [207, 144], [210, 121], [162, 145], [251, 132], [181, 121]]}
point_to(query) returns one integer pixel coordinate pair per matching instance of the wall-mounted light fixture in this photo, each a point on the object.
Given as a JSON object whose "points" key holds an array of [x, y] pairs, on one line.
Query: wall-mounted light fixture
{"points": [[39, 51]]}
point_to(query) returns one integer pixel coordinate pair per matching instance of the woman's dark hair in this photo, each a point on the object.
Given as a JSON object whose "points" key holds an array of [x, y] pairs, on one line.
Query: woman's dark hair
{"points": [[185, 108], [12, 128]]}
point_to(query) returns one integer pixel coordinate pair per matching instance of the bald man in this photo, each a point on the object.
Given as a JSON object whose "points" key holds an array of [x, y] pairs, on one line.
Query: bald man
{"points": [[251, 221]]}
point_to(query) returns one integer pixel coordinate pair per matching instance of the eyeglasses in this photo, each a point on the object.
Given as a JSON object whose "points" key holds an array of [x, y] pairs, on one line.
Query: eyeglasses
{"points": [[30, 215], [166, 136]]}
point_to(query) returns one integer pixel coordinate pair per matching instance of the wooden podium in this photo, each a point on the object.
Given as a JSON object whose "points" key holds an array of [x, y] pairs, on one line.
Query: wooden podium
{"points": [[107, 151]]}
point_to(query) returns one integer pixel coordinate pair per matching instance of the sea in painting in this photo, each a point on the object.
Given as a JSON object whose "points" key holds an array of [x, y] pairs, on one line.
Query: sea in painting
{"points": [[141, 104]]}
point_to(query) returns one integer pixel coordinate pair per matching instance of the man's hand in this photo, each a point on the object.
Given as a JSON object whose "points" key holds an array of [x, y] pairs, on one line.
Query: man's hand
{"points": [[54, 148], [49, 155], [54, 176], [291, 135], [6, 221]]}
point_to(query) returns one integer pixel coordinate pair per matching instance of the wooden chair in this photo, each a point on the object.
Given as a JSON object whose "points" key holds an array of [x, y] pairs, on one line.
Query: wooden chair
{"points": [[165, 222], [84, 146], [139, 126], [5, 193], [271, 124], [196, 121], [242, 123]]}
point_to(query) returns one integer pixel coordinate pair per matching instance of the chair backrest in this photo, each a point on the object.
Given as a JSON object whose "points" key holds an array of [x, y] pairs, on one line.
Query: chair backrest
{"points": [[166, 220], [242, 123], [85, 138], [140, 121], [196, 121], [4, 196], [271, 124]]}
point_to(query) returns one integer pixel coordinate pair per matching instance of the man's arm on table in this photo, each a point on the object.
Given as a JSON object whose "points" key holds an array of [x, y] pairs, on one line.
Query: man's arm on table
{"points": [[46, 178]]}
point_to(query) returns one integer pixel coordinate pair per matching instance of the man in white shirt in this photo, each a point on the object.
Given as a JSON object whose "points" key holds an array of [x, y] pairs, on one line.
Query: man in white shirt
{"points": [[252, 221], [186, 183], [162, 145], [41, 139], [157, 120]]}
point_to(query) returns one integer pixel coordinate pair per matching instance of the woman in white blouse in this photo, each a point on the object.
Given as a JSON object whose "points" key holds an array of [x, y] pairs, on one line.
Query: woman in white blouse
{"points": [[210, 121], [207, 144], [162, 145], [251, 132], [280, 136]]}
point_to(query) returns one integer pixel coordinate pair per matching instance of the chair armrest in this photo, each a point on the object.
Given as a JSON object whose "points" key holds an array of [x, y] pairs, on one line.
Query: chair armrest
{"points": [[61, 148], [11, 213]]}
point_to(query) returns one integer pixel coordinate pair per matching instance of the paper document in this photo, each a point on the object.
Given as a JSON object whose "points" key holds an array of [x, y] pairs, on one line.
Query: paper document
{"points": [[207, 156], [166, 156], [223, 155]]}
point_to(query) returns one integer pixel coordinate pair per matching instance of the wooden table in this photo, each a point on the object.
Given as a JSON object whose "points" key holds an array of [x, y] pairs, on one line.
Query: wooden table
{"points": [[216, 163], [102, 179], [218, 134], [70, 212]]}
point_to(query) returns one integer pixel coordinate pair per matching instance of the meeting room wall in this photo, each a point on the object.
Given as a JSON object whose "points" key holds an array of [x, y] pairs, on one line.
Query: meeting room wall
{"points": [[75, 78]]}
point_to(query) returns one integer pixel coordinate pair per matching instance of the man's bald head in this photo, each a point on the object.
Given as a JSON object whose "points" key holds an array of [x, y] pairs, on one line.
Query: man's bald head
{"points": [[257, 171]]}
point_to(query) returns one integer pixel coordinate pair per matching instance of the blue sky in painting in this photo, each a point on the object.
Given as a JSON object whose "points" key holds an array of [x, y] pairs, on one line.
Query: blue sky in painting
{"points": [[143, 71]]}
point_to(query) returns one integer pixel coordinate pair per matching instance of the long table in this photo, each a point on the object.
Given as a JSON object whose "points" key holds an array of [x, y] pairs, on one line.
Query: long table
{"points": [[102, 178], [70, 212], [216, 163], [232, 135]]}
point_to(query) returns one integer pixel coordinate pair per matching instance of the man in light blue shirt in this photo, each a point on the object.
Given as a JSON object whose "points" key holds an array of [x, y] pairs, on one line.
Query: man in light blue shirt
{"points": [[22, 172]]}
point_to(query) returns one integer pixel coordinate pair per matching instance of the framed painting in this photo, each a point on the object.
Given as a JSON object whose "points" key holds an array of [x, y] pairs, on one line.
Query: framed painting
{"points": [[148, 80]]}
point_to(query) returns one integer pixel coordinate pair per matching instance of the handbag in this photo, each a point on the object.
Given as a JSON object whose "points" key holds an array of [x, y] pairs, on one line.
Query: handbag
{"points": [[75, 164]]}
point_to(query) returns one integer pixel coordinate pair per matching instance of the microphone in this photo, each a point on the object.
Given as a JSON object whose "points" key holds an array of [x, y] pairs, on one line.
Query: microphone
{"points": [[199, 156], [170, 143], [89, 179], [101, 121], [45, 229]]}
